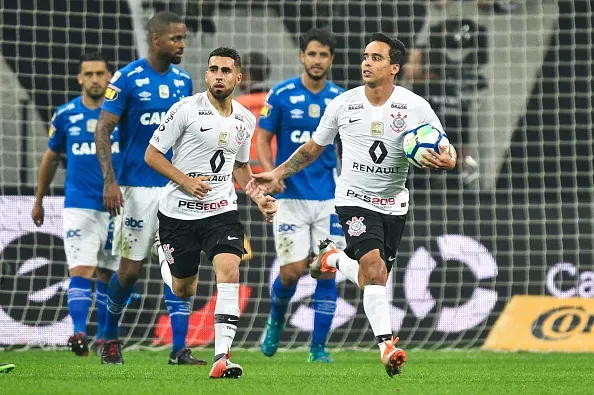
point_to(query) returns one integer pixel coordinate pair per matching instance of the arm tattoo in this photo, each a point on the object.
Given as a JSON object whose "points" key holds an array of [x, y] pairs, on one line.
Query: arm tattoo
{"points": [[239, 164], [106, 124], [297, 162]]}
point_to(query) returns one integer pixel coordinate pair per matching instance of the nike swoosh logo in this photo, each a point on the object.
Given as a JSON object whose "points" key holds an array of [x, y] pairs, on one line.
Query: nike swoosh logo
{"points": [[232, 238], [204, 130], [391, 258], [353, 120]]}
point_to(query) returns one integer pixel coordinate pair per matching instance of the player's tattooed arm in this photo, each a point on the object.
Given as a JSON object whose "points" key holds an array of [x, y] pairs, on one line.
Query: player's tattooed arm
{"points": [[105, 126], [300, 159], [112, 196]]}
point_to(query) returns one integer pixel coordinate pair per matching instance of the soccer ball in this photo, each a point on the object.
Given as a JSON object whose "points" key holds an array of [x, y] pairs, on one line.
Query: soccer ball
{"points": [[417, 140]]}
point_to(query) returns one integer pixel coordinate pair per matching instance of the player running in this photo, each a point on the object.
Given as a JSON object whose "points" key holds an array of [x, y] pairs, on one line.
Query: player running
{"points": [[138, 97], [371, 197], [87, 226], [210, 134], [306, 202]]}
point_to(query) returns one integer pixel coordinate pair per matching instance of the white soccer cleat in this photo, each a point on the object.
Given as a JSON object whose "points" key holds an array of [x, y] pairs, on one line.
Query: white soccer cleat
{"points": [[225, 369], [320, 263]]}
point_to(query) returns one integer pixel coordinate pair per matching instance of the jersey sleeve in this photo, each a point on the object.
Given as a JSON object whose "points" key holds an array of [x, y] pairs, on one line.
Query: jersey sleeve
{"points": [[429, 116], [328, 127], [116, 95], [171, 128], [243, 154], [271, 113], [57, 137]]}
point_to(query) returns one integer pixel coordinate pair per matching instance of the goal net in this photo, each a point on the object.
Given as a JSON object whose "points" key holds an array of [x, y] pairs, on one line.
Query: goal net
{"points": [[511, 81]]}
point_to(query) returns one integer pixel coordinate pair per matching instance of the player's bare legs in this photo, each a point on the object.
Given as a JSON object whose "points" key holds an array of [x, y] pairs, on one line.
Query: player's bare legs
{"points": [[226, 317]]}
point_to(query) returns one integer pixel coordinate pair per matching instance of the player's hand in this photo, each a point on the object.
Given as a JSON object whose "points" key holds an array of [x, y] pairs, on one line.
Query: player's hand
{"points": [[278, 187], [112, 198], [38, 214], [267, 179], [254, 190], [441, 161], [197, 187], [267, 205]]}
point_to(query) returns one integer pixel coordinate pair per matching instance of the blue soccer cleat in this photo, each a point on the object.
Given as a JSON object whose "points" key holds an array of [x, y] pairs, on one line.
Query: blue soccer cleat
{"points": [[319, 354], [271, 339]]}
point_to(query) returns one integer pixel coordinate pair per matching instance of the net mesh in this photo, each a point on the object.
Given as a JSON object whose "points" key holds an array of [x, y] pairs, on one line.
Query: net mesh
{"points": [[510, 80]]}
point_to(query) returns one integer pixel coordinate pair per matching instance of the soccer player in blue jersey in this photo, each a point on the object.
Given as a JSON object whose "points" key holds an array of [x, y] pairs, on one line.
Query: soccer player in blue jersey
{"points": [[87, 232], [306, 202], [138, 98]]}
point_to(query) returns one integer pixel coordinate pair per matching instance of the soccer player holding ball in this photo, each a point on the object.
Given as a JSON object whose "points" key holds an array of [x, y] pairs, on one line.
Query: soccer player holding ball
{"points": [[87, 226], [137, 98], [210, 134], [306, 213], [371, 198]]}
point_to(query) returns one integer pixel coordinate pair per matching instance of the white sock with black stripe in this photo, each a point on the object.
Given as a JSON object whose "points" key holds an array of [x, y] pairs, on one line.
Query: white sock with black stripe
{"points": [[226, 317]]}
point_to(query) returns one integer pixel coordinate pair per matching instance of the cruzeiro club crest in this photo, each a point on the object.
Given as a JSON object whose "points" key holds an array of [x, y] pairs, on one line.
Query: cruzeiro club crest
{"points": [[356, 226], [398, 123]]}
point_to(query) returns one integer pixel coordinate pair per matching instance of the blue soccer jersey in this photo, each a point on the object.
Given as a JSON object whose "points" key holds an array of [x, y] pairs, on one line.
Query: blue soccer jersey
{"points": [[72, 130], [140, 96], [293, 113]]}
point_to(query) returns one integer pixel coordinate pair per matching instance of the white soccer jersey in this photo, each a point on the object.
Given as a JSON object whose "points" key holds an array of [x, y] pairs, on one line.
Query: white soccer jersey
{"points": [[374, 167], [204, 143]]}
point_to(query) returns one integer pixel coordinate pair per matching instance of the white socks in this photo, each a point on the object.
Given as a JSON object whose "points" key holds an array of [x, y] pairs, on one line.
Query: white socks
{"points": [[226, 317], [347, 266], [377, 310]]}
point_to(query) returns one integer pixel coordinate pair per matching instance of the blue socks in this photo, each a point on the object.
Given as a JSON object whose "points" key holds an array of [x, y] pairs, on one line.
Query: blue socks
{"points": [[79, 302], [179, 314], [101, 305], [281, 297], [117, 299], [324, 304]]}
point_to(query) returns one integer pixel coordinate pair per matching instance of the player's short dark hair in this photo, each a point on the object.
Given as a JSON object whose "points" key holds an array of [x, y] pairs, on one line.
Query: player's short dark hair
{"points": [[92, 57], [322, 36], [160, 22], [258, 65], [227, 52], [397, 48]]}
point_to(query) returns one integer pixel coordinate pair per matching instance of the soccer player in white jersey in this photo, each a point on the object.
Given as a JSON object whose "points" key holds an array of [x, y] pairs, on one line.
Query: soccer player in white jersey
{"points": [[306, 213], [210, 134], [138, 97], [87, 226], [371, 197]]}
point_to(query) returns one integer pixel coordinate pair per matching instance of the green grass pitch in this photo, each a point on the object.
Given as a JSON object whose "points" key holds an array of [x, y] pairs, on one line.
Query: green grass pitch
{"points": [[354, 372]]}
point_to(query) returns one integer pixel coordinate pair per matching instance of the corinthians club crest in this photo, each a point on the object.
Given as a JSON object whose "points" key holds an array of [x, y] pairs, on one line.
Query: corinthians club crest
{"points": [[398, 122], [356, 226], [241, 134]]}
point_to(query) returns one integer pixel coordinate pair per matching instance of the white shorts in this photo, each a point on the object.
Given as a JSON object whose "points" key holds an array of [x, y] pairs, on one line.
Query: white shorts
{"points": [[135, 227], [299, 225], [88, 239]]}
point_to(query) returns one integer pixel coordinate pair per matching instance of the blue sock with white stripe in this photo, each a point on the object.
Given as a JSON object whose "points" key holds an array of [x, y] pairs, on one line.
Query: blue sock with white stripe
{"points": [[281, 297], [179, 314], [324, 304], [79, 302], [117, 299], [101, 305]]}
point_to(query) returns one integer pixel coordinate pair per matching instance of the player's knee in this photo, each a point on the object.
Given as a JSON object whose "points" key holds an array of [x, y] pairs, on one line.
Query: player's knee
{"points": [[129, 272], [183, 291], [82, 271], [374, 269], [290, 274]]}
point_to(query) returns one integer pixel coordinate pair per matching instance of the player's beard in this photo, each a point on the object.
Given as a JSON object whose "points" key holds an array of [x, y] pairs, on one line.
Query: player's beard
{"points": [[220, 95], [95, 95], [316, 77]]}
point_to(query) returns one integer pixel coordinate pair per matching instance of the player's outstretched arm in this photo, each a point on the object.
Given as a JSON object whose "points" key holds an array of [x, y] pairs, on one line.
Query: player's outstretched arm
{"points": [[265, 156], [243, 175], [303, 157], [194, 186], [443, 161], [47, 171], [112, 196]]}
